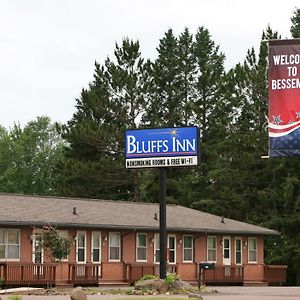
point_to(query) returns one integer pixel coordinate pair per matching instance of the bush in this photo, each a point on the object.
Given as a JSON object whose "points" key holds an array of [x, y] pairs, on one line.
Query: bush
{"points": [[171, 278], [1, 282], [14, 297], [148, 276]]}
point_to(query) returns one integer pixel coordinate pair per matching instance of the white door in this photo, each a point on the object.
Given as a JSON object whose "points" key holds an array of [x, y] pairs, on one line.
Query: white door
{"points": [[156, 249], [226, 251]]}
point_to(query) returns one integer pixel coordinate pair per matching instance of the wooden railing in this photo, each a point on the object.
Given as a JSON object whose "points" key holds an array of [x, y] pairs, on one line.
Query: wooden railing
{"points": [[135, 271], [28, 273], [224, 274], [88, 273], [275, 274]]}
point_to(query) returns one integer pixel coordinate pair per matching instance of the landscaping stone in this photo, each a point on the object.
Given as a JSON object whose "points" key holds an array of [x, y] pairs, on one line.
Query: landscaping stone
{"points": [[182, 285], [195, 295], [152, 284], [78, 294]]}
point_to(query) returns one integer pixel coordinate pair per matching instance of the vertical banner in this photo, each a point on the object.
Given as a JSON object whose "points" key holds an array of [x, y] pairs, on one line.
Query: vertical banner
{"points": [[284, 98]]}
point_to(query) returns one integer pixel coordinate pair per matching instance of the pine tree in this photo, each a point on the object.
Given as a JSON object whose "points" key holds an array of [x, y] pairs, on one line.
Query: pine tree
{"points": [[295, 28], [165, 107], [114, 102]]}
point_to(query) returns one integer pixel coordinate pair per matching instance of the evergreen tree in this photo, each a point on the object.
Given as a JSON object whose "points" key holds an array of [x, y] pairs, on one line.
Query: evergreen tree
{"points": [[114, 101], [165, 107], [295, 28], [213, 112]]}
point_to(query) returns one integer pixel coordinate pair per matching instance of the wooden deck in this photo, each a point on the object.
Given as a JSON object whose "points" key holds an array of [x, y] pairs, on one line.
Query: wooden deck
{"points": [[28, 274], [224, 275], [275, 274], [135, 271], [84, 274]]}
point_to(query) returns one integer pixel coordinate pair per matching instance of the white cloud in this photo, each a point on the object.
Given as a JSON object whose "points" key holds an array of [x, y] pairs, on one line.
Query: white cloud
{"points": [[48, 48]]}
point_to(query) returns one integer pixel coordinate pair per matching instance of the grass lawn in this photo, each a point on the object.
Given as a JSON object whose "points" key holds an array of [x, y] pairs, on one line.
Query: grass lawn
{"points": [[163, 298]]}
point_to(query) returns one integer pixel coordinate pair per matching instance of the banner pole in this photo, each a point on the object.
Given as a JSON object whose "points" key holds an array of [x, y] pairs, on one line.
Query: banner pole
{"points": [[162, 223]]}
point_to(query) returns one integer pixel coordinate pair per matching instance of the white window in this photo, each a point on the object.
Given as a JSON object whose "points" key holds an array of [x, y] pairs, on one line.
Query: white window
{"points": [[156, 248], [114, 246], [238, 251], [172, 249], [65, 234], [9, 244], [211, 249], [37, 249], [141, 247], [252, 250], [81, 246], [226, 251], [96, 246], [187, 248]]}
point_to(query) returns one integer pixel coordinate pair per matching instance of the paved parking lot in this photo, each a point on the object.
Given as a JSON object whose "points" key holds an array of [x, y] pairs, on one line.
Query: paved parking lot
{"points": [[255, 293]]}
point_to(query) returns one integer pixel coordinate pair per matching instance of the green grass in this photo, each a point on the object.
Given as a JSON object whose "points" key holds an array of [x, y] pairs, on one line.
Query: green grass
{"points": [[163, 298]]}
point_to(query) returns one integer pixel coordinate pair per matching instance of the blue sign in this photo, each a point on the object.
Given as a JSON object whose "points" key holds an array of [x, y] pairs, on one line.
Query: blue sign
{"points": [[162, 147]]}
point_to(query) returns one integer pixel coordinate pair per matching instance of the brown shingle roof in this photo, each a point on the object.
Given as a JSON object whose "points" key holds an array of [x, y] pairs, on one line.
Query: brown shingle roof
{"points": [[39, 210]]}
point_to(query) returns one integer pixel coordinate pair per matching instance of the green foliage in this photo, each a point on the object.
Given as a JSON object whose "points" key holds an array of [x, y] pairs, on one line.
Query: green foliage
{"points": [[29, 158], [1, 282], [14, 297], [295, 28], [148, 276], [171, 278], [57, 245]]}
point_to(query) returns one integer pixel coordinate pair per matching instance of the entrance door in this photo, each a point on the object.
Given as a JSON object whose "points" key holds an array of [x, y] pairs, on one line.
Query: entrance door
{"points": [[172, 249], [226, 251]]}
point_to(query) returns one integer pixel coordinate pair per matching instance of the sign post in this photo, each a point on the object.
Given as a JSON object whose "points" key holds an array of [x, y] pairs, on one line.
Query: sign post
{"points": [[162, 223], [163, 148]]}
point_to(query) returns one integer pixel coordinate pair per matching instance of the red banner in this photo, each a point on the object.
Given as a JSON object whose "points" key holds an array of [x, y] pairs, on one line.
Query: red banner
{"points": [[284, 98]]}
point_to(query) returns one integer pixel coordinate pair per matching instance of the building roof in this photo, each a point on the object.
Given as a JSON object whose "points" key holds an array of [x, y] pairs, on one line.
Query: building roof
{"points": [[21, 210]]}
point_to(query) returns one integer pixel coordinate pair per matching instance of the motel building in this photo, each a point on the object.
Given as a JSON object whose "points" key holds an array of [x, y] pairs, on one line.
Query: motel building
{"points": [[117, 242]]}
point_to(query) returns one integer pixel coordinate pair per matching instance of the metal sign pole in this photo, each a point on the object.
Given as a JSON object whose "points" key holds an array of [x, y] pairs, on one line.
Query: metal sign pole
{"points": [[162, 223]]}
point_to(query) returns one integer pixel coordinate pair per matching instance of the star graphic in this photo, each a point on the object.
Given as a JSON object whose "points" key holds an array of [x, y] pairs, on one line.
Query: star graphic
{"points": [[174, 132], [277, 120], [298, 114]]}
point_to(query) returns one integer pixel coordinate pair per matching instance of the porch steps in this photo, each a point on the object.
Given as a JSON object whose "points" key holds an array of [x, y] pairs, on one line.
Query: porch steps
{"points": [[255, 283]]}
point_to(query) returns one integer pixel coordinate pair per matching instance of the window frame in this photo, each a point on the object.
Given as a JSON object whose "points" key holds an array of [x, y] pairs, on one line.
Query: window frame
{"points": [[119, 246], [256, 250], [64, 233], [185, 248], [77, 246], [93, 247], [156, 247], [215, 249], [6, 244], [241, 250], [143, 247], [172, 236]]}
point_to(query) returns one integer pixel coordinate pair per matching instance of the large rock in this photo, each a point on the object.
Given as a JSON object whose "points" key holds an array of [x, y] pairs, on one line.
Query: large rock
{"points": [[78, 294], [158, 285], [182, 285], [195, 295]]}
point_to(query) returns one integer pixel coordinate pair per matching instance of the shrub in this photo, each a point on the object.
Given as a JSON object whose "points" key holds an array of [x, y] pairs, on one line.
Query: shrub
{"points": [[148, 276], [1, 282], [171, 278], [14, 297]]}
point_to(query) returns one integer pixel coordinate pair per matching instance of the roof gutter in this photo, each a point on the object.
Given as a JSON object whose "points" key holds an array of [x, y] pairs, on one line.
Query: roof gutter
{"points": [[141, 228]]}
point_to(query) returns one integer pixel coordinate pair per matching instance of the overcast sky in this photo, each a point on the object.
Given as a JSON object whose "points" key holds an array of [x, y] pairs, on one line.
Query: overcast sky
{"points": [[48, 47]]}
